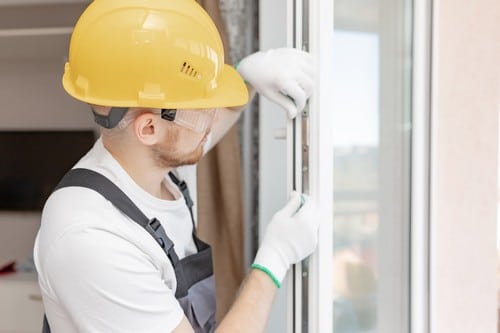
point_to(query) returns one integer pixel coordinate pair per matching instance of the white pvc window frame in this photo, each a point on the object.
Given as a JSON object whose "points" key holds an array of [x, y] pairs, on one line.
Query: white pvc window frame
{"points": [[421, 181], [321, 166], [317, 136], [320, 36]]}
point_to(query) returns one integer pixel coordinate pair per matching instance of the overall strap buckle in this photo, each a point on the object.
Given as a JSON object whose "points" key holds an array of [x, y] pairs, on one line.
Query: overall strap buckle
{"points": [[155, 229]]}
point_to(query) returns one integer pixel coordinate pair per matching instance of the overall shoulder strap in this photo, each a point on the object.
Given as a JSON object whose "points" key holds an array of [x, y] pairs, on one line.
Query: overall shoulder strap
{"points": [[99, 183], [181, 184]]}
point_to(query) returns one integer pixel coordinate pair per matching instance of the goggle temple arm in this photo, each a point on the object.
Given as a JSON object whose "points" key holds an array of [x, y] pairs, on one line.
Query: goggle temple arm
{"points": [[196, 121], [168, 114]]}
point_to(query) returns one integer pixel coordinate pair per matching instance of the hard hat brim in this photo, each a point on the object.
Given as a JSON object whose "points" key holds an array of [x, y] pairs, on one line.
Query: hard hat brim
{"points": [[231, 91]]}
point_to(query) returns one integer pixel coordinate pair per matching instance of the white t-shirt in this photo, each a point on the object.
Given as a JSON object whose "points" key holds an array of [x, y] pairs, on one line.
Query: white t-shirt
{"points": [[101, 272]]}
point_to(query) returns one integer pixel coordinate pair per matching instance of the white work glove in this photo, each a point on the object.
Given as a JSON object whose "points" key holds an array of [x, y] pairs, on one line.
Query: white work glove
{"points": [[284, 75], [291, 236]]}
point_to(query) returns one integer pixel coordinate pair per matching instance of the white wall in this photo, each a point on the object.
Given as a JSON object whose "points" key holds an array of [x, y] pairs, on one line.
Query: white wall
{"points": [[466, 72], [32, 97]]}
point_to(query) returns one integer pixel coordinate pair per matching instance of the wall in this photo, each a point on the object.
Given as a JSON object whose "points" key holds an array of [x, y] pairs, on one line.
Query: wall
{"points": [[32, 98], [34, 36], [466, 71]]}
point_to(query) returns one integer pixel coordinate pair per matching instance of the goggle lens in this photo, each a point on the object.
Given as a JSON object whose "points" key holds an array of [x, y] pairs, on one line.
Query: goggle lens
{"points": [[198, 121]]}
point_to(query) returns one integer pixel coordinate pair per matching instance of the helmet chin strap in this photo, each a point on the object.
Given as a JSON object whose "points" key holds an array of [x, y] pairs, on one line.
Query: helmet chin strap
{"points": [[112, 119]]}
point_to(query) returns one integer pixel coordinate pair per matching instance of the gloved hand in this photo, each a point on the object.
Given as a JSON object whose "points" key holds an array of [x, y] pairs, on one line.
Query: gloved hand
{"points": [[291, 236], [284, 75]]}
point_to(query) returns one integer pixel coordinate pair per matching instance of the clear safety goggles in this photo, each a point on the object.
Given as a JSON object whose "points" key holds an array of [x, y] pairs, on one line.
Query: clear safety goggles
{"points": [[198, 121]]}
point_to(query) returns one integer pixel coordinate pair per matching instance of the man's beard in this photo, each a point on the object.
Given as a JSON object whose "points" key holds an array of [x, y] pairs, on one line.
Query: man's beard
{"points": [[166, 156]]}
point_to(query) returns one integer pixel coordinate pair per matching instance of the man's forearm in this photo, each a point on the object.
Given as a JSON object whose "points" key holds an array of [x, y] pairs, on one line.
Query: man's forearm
{"points": [[250, 311]]}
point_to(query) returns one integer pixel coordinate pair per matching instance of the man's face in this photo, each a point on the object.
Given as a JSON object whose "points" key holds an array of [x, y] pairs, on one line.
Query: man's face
{"points": [[179, 146]]}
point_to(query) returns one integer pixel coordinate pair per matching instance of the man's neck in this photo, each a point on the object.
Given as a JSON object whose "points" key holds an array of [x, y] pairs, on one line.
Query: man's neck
{"points": [[140, 167]]}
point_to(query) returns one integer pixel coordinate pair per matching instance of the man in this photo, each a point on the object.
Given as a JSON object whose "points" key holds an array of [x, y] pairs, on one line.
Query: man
{"points": [[117, 249]]}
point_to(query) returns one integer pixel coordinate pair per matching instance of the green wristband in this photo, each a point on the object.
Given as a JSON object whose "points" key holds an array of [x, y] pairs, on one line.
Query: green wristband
{"points": [[268, 272]]}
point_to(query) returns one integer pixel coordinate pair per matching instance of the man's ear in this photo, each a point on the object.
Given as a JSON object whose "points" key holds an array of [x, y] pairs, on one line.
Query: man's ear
{"points": [[146, 128]]}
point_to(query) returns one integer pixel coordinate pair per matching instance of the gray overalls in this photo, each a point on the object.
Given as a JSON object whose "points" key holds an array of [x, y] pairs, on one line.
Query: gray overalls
{"points": [[195, 281]]}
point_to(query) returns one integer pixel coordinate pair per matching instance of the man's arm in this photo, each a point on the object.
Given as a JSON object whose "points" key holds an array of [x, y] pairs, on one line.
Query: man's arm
{"points": [[289, 238], [250, 311]]}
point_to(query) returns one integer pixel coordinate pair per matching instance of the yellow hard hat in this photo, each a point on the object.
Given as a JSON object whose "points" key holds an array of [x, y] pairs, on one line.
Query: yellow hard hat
{"points": [[150, 53]]}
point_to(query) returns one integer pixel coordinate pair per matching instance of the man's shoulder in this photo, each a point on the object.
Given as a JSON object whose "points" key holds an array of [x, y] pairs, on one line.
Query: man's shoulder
{"points": [[74, 199], [80, 218], [76, 208]]}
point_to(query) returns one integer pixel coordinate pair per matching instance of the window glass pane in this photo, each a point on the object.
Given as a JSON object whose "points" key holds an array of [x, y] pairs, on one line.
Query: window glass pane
{"points": [[356, 180], [371, 166]]}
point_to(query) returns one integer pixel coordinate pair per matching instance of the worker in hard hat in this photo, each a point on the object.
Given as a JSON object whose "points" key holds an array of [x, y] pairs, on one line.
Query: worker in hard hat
{"points": [[117, 250]]}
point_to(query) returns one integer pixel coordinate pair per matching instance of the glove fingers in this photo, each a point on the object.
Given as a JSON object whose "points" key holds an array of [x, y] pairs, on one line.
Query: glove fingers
{"points": [[307, 68], [304, 56], [307, 216], [292, 89], [283, 101], [301, 60], [305, 62], [292, 205], [306, 212], [306, 82]]}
